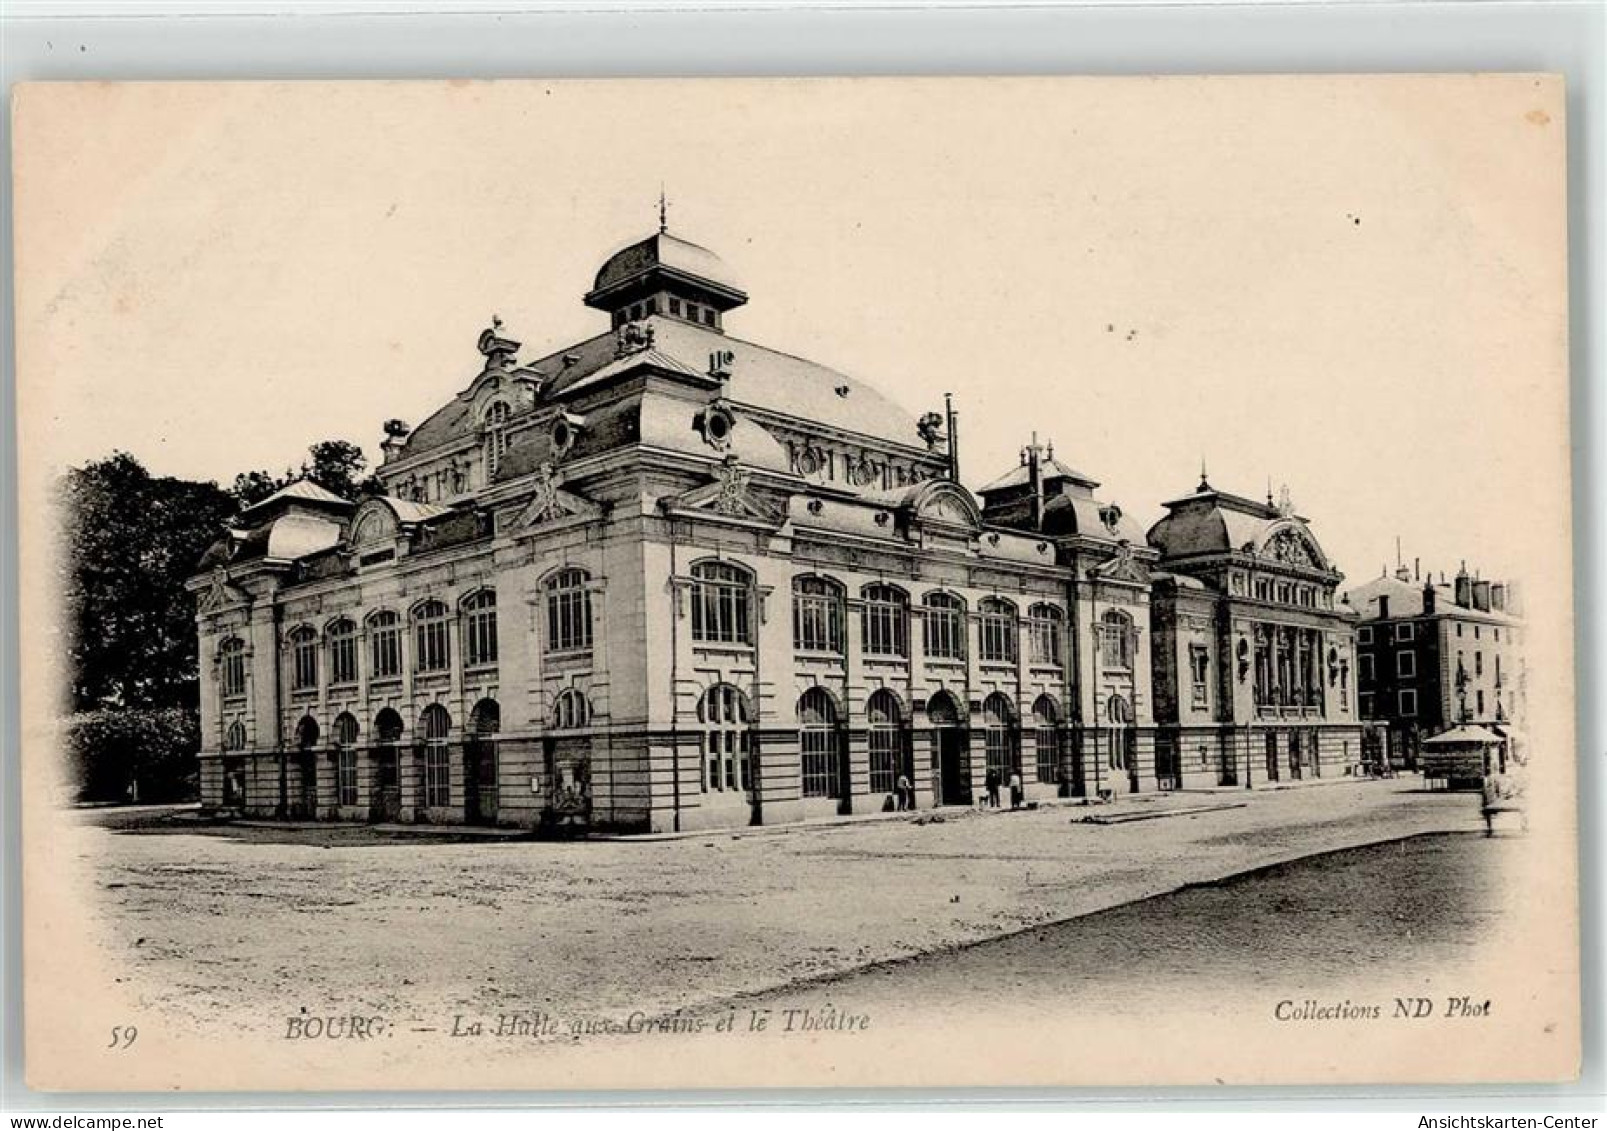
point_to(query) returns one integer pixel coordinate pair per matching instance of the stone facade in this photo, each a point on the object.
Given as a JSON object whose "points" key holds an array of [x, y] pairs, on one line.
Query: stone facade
{"points": [[666, 579]]}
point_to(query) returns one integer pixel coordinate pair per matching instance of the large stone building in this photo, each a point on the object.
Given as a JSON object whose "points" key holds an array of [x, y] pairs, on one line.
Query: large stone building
{"points": [[1436, 655], [1253, 659], [665, 578]]}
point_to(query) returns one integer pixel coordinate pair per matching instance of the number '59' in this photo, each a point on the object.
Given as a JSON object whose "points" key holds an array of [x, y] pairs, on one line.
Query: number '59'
{"points": [[123, 1036]]}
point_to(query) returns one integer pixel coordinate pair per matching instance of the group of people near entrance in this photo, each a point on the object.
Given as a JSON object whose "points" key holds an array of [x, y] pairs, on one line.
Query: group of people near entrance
{"points": [[1017, 792]]}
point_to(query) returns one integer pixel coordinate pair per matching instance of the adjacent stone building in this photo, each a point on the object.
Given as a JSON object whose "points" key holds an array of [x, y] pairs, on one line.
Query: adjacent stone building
{"points": [[1433, 656], [1253, 658], [665, 578]]}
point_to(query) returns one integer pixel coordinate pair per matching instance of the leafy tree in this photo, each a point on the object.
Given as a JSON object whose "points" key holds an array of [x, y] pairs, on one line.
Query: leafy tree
{"points": [[335, 465], [132, 539]]}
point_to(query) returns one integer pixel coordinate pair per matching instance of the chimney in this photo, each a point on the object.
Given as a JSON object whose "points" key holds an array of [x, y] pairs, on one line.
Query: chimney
{"points": [[1417, 569], [1498, 597], [1481, 596], [1428, 599], [1464, 587]]}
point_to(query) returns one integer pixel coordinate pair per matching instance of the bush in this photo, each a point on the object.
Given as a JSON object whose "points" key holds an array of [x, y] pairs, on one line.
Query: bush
{"points": [[146, 755]]}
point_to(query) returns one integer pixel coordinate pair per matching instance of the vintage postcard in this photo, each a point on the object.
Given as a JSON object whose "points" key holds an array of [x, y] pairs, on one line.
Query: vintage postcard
{"points": [[875, 582]]}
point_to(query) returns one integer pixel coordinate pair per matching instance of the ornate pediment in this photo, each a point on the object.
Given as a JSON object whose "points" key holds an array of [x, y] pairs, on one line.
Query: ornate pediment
{"points": [[1122, 567], [220, 594], [1291, 544], [944, 502], [549, 502], [730, 495]]}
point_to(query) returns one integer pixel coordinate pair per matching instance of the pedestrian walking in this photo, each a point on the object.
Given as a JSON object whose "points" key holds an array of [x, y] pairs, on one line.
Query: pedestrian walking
{"points": [[906, 794], [993, 788], [1017, 793]]}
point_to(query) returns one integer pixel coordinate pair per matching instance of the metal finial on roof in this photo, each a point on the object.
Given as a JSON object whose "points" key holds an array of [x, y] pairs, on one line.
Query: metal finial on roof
{"points": [[663, 209], [496, 322], [1205, 483], [1050, 453]]}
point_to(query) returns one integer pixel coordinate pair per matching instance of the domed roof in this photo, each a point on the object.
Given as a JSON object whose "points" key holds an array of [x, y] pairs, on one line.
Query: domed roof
{"points": [[662, 252]]}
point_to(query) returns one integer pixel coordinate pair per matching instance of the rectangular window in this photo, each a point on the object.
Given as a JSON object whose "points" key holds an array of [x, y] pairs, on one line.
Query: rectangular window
{"points": [[817, 617], [943, 632], [1405, 631], [346, 777], [1048, 754], [1406, 664], [437, 776], [720, 612], [1115, 647], [434, 646], [997, 637], [1408, 703], [1366, 704], [342, 657], [886, 628], [1478, 663], [568, 615], [708, 315], [480, 637], [1366, 669], [1199, 674], [886, 744], [1364, 634], [1480, 695], [675, 307], [385, 647], [234, 672], [1043, 637], [818, 746]]}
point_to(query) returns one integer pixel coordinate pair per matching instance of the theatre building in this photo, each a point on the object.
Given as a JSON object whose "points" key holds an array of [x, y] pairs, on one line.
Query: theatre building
{"points": [[1254, 660], [665, 578]]}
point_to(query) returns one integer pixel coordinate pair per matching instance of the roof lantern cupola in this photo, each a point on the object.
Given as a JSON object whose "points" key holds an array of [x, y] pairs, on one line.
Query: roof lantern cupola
{"points": [[667, 276]]}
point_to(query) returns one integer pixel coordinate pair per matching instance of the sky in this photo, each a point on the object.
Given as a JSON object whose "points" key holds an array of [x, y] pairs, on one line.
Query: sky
{"points": [[1354, 288]]}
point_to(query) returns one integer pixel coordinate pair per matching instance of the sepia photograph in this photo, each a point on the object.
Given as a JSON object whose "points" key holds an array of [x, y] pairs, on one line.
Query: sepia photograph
{"points": [[737, 583]]}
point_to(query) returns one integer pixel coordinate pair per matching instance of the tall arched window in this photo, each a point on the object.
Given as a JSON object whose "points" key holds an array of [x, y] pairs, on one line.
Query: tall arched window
{"points": [[385, 645], [1046, 732], [944, 626], [721, 597], [723, 715], [1116, 641], [1045, 626], [388, 726], [996, 631], [819, 741], [571, 710], [496, 434], [884, 718], [817, 615], [1002, 741], [232, 662], [569, 611], [303, 658], [307, 733], [235, 739], [345, 759], [480, 628], [342, 652], [436, 725], [886, 621], [432, 644]]}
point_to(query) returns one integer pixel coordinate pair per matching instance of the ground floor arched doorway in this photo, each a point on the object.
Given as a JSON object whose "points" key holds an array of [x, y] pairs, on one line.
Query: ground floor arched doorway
{"points": [[951, 750]]}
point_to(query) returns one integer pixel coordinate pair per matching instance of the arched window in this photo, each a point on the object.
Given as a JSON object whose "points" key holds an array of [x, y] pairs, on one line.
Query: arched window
{"points": [[436, 724], [723, 714], [385, 645], [944, 626], [817, 615], [996, 631], [886, 621], [1045, 627], [943, 711], [495, 422], [569, 611], [486, 718], [388, 727], [884, 718], [480, 628], [342, 652], [1002, 741], [232, 664], [345, 759], [819, 741], [235, 739], [1116, 641], [432, 644], [307, 733], [571, 710], [303, 658], [721, 596], [1046, 733]]}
